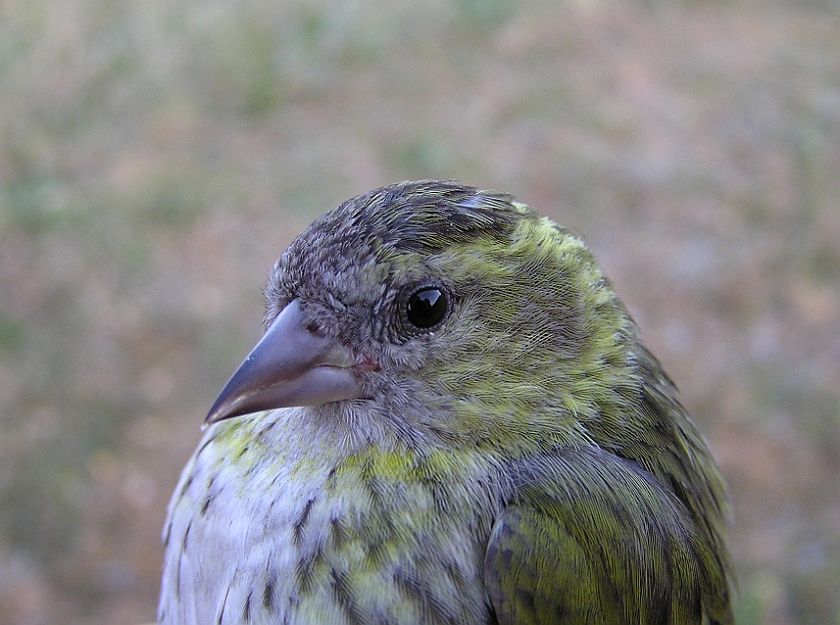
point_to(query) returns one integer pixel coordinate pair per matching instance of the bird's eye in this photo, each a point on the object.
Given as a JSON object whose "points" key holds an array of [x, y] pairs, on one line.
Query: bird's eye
{"points": [[427, 307]]}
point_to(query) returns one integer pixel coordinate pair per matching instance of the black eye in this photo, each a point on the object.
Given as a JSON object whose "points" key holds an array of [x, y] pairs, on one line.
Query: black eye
{"points": [[427, 307]]}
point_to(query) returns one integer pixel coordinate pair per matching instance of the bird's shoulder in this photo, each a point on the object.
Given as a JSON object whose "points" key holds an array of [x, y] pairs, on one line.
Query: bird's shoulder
{"points": [[592, 537]]}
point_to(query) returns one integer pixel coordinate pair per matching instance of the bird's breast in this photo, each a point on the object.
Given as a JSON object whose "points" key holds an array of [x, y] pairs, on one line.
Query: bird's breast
{"points": [[321, 536]]}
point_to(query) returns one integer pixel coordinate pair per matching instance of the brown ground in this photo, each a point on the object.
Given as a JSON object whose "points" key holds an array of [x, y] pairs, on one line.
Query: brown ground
{"points": [[155, 158]]}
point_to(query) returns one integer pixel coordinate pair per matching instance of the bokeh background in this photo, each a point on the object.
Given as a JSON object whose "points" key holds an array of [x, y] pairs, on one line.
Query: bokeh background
{"points": [[157, 156]]}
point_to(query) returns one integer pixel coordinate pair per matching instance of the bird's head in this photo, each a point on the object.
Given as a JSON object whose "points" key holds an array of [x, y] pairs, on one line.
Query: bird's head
{"points": [[448, 313]]}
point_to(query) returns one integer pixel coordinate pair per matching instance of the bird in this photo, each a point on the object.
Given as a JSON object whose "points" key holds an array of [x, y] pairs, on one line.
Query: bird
{"points": [[449, 418]]}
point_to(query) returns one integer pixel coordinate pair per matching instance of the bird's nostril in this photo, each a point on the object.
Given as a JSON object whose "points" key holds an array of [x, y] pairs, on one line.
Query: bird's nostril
{"points": [[313, 327]]}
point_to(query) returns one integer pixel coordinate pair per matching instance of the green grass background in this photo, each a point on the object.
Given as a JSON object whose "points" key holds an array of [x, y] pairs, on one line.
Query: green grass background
{"points": [[157, 156]]}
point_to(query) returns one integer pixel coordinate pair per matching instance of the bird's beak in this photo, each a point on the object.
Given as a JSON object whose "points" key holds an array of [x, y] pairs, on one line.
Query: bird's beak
{"points": [[290, 366]]}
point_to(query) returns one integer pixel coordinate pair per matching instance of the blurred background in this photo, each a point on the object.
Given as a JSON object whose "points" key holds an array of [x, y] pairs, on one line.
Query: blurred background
{"points": [[157, 156]]}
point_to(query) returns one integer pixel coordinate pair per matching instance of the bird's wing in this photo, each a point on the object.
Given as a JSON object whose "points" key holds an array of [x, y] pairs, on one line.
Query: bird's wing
{"points": [[593, 539]]}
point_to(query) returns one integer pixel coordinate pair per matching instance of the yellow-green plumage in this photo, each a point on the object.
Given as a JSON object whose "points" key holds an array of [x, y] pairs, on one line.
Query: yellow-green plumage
{"points": [[454, 422]]}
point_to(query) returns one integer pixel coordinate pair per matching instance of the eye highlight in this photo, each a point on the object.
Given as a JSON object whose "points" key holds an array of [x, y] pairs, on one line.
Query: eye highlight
{"points": [[427, 307]]}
